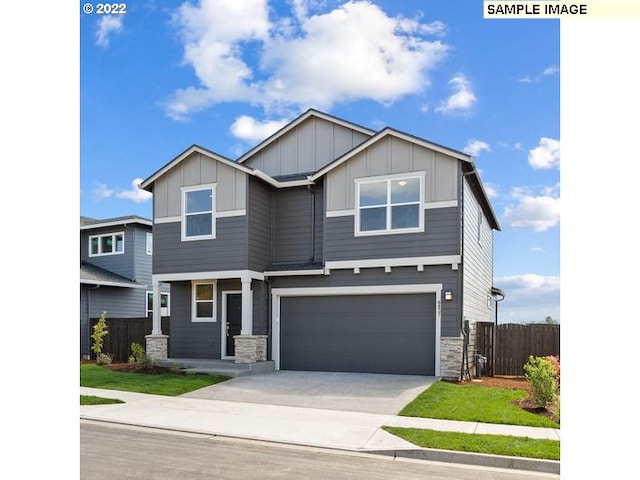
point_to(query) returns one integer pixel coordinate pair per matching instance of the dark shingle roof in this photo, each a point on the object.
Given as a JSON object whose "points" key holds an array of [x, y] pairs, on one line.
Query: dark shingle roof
{"points": [[93, 275]]}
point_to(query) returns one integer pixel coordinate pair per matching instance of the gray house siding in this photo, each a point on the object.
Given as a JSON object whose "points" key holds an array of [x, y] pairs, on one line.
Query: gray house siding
{"points": [[131, 263], [477, 261], [260, 220], [228, 251], [438, 274], [306, 148], [441, 236], [293, 233]]}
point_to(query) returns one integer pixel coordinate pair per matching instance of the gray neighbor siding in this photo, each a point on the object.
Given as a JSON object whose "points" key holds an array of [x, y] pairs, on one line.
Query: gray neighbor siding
{"points": [[260, 225], [477, 261]]}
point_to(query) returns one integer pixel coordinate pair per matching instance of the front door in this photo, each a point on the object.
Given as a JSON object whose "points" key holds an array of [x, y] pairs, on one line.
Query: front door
{"points": [[233, 320]]}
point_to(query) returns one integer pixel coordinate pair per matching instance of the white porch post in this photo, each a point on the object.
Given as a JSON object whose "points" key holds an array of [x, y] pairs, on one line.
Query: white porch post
{"points": [[247, 306], [157, 327]]}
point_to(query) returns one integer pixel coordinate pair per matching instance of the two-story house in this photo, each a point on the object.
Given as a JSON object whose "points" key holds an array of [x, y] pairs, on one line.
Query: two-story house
{"points": [[346, 249], [115, 271]]}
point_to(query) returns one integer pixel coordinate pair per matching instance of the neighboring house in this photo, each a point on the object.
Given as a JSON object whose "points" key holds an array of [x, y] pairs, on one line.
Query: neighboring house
{"points": [[115, 271], [346, 248]]}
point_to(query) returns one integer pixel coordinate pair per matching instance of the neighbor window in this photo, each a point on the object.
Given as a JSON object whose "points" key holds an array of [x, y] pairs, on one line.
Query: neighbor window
{"points": [[198, 207], [164, 304], [389, 205], [110, 244], [204, 302]]}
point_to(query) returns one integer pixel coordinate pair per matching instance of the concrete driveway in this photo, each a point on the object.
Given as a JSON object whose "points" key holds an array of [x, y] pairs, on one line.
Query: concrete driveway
{"points": [[357, 392]]}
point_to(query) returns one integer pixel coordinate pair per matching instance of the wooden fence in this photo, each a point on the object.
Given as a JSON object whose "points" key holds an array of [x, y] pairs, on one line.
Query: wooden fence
{"points": [[514, 343], [125, 331]]}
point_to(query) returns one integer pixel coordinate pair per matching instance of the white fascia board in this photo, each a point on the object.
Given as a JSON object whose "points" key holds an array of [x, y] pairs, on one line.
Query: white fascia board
{"points": [[358, 290], [210, 275], [275, 183], [293, 273], [393, 262], [114, 223], [106, 283]]}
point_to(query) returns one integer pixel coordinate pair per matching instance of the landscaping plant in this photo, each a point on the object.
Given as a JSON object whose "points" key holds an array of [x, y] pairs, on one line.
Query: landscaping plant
{"points": [[99, 332], [139, 357], [541, 374]]}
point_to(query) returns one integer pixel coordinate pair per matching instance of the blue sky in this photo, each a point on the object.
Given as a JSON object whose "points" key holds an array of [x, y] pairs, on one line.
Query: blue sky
{"points": [[224, 74]]}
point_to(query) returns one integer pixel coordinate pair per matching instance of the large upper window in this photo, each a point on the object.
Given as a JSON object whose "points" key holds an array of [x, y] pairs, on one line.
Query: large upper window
{"points": [[389, 205], [203, 308], [109, 244], [198, 207]]}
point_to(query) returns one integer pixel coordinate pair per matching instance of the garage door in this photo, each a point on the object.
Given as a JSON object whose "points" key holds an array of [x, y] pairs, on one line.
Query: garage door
{"points": [[359, 333]]}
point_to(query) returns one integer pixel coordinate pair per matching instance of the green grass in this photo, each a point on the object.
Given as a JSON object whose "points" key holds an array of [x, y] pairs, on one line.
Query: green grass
{"points": [[480, 443], [169, 384], [92, 400], [474, 403]]}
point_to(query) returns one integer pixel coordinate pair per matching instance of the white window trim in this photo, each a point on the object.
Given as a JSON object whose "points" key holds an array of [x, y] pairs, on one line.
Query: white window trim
{"points": [[166, 309], [149, 243], [388, 230], [99, 237], [193, 301], [183, 216]]}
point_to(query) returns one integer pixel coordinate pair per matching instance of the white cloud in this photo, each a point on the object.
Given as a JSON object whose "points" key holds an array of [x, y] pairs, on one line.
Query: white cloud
{"points": [[136, 194], [462, 100], [546, 155], [102, 191], [491, 190], [474, 147], [248, 128], [547, 72], [538, 212], [108, 25], [355, 51], [528, 298]]}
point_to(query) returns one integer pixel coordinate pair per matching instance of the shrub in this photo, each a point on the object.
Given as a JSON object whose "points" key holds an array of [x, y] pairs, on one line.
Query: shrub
{"points": [[103, 359], [555, 361], [139, 356], [541, 375], [99, 332]]}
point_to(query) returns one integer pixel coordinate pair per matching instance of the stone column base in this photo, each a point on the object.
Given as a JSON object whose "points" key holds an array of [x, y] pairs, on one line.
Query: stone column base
{"points": [[450, 358], [250, 348], [157, 346]]}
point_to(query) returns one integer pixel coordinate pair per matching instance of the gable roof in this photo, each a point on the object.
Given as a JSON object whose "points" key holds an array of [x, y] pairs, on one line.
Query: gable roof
{"points": [[93, 275], [294, 123], [87, 223], [147, 184]]}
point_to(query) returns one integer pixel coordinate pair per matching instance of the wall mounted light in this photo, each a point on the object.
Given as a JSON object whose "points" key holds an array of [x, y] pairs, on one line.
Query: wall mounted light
{"points": [[448, 295]]}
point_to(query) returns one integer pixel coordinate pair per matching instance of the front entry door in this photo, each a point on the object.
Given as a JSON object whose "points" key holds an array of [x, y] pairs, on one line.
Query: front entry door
{"points": [[234, 320]]}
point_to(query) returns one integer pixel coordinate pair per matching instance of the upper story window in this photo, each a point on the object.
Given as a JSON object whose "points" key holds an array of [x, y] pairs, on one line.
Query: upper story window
{"points": [[390, 204], [108, 244], [198, 207]]}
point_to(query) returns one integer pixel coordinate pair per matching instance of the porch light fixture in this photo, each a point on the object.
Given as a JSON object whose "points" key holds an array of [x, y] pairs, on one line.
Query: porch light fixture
{"points": [[448, 295]]}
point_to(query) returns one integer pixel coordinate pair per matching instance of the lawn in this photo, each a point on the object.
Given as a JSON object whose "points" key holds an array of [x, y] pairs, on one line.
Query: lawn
{"points": [[170, 384], [475, 403]]}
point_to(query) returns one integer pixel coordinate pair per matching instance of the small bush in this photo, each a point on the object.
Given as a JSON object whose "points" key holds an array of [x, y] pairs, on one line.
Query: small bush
{"points": [[103, 359], [541, 375], [99, 332], [139, 356]]}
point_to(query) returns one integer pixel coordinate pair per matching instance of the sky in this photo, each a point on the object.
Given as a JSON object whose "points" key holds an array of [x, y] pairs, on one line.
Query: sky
{"points": [[225, 74]]}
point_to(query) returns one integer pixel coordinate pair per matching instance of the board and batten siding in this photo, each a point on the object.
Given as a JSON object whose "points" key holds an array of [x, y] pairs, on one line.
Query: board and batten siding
{"points": [[388, 156], [477, 260], [228, 251], [199, 169], [306, 148]]}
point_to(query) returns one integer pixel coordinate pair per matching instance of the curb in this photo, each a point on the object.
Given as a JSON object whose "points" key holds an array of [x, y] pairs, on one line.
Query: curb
{"points": [[483, 460]]}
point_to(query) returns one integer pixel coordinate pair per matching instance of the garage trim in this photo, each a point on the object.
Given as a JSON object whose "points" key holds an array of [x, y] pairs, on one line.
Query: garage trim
{"points": [[278, 293]]}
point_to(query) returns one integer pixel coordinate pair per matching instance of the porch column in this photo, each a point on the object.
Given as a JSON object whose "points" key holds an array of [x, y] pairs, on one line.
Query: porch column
{"points": [[247, 307], [157, 314]]}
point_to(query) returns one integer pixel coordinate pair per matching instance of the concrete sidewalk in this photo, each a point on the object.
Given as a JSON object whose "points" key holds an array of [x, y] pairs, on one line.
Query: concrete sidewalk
{"points": [[353, 431]]}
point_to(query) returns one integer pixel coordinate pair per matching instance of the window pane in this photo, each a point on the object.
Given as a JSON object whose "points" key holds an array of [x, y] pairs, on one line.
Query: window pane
{"points": [[150, 302], [204, 291], [405, 216], [107, 244], [204, 310], [119, 243], [200, 224], [405, 190], [199, 201], [373, 194], [164, 300], [95, 246], [373, 219]]}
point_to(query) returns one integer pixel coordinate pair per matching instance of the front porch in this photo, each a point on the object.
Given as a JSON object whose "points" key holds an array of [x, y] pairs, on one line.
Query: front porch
{"points": [[227, 368]]}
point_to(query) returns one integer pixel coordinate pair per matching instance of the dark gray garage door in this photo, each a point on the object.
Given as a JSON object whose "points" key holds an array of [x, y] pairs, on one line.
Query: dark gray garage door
{"points": [[359, 333]]}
